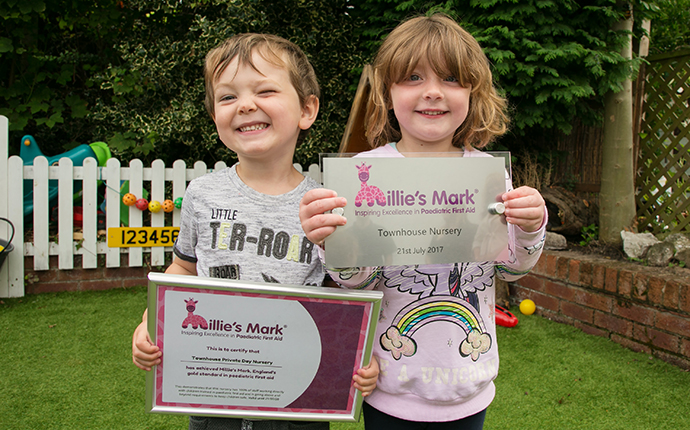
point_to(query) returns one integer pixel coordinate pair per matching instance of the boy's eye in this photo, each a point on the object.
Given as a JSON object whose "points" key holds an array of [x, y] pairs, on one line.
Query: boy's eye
{"points": [[226, 98], [451, 79], [415, 78]]}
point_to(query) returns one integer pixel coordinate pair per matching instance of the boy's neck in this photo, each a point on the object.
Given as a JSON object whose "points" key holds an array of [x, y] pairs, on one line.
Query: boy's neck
{"points": [[274, 179]]}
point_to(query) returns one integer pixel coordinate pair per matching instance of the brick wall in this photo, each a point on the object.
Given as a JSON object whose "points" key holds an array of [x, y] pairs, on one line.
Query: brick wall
{"points": [[78, 279], [642, 308]]}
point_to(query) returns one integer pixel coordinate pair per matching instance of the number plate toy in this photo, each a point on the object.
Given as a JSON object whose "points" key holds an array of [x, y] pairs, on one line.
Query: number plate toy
{"points": [[128, 237]]}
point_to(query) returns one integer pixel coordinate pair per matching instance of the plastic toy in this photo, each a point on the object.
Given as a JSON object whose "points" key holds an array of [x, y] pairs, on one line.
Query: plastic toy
{"points": [[505, 318], [79, 218], [142, 204], [129, 199], [178, 202], [527, 307], [124, 208], [168, 205], [6, 245], [155, 206], [29, 150]]}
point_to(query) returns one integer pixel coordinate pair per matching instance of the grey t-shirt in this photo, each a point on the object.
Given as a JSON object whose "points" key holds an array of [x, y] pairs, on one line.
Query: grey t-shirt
{"points": [[232, 231]]}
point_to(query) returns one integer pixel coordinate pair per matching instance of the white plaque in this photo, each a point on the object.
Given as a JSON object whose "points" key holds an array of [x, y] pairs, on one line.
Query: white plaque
{"points": [[407, 211]]}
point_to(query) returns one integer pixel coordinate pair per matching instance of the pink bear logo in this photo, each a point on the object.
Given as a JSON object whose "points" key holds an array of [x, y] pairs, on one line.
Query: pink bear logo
{"points": [[194, 320], [369, 193]]}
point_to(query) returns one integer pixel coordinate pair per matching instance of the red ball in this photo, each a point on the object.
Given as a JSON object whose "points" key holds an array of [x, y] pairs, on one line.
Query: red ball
{"points": [[142, 204]]}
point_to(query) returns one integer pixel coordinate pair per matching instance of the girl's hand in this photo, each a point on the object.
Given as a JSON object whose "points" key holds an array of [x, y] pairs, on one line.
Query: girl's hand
{"points": [[366, 377], [314, 213], [524, 208]]}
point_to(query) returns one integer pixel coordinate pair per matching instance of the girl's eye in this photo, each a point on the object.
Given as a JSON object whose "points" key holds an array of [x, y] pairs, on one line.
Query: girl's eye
{"points": [[227, 98]]}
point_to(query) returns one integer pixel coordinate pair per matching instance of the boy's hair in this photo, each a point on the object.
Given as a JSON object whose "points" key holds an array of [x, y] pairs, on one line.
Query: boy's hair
{"points": [[449, 50], [275, 50]]}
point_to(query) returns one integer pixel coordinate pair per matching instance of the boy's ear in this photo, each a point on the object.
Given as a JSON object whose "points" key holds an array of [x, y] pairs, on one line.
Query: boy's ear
{"points": [[309, 112]]}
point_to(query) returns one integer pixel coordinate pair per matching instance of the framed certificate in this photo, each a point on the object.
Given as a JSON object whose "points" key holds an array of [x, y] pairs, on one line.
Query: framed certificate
{"points": [[417, 210], [265, 351]]}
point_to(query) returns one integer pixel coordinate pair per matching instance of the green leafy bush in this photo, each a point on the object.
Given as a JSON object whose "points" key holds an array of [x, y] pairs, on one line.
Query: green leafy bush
{"points": [[589, 234], [554, 60], [670, 29], [130, 72], [48, 52], [155, 104]]}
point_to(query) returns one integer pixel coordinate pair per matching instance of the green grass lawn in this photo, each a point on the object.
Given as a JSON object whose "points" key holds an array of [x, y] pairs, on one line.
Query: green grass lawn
{"points": [[66, 364]]}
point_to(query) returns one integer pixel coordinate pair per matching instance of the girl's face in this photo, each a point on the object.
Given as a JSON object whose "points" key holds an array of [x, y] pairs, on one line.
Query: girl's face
{"points": [[429, 109]]}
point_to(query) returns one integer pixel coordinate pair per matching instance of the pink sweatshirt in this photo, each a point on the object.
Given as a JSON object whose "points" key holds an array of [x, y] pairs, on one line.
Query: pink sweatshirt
{"points": [[436, 335]]}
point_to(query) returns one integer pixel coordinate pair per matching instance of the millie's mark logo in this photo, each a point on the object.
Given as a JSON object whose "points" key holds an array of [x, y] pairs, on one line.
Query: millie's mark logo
{"points": [[195, 321], [368, 193]]}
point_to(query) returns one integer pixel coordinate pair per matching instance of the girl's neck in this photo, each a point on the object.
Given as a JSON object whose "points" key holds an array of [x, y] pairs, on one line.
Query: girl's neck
{"points": [[412, 148]]}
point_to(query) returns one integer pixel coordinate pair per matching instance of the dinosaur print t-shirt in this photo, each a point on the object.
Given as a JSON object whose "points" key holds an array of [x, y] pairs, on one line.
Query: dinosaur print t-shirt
{"points": [[232, 231]]}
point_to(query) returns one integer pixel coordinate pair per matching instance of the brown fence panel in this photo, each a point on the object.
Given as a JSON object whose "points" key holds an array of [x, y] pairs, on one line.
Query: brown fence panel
{"points": [[663, 169], [579, 167]]}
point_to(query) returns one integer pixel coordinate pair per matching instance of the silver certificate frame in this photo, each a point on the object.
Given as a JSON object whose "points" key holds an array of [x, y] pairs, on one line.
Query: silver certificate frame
{"points": [[258, 351]]}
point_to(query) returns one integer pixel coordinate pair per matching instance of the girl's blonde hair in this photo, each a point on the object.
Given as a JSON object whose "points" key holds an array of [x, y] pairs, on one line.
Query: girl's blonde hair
{"points": [[449, 50]]}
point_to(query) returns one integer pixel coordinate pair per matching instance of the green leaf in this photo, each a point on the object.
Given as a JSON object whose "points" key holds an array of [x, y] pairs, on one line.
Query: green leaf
{"points": [[77, 105], [6, 45]]}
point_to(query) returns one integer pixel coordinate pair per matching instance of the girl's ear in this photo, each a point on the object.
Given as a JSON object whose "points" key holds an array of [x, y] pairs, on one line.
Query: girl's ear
{"points": [[310, 110]]}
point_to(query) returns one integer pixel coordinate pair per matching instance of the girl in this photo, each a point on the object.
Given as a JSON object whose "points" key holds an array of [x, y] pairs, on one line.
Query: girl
{"points": [[432, 91]]}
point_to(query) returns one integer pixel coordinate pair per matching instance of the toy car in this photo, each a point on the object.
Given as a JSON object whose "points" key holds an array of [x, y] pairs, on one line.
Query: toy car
{"points": [[505, 318]]}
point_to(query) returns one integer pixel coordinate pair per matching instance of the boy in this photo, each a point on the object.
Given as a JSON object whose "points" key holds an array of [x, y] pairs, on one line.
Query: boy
{"points": [[242, 222]]}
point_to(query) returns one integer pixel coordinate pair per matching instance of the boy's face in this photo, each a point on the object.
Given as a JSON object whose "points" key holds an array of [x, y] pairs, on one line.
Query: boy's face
{"points": [[259, 115]]}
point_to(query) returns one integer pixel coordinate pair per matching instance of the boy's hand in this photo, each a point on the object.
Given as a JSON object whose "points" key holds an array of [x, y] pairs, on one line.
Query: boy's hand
{"points": [[144, 353], [366, 377], [314, 212], [524, 208]]}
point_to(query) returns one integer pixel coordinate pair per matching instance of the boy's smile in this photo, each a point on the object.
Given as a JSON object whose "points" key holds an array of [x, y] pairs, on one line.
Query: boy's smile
{"points": [[255, 127], [429, 109], [258, 114]]}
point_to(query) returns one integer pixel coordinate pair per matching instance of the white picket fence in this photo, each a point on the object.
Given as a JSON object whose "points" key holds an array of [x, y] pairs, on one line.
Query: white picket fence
{"points": [[13, 172]]}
